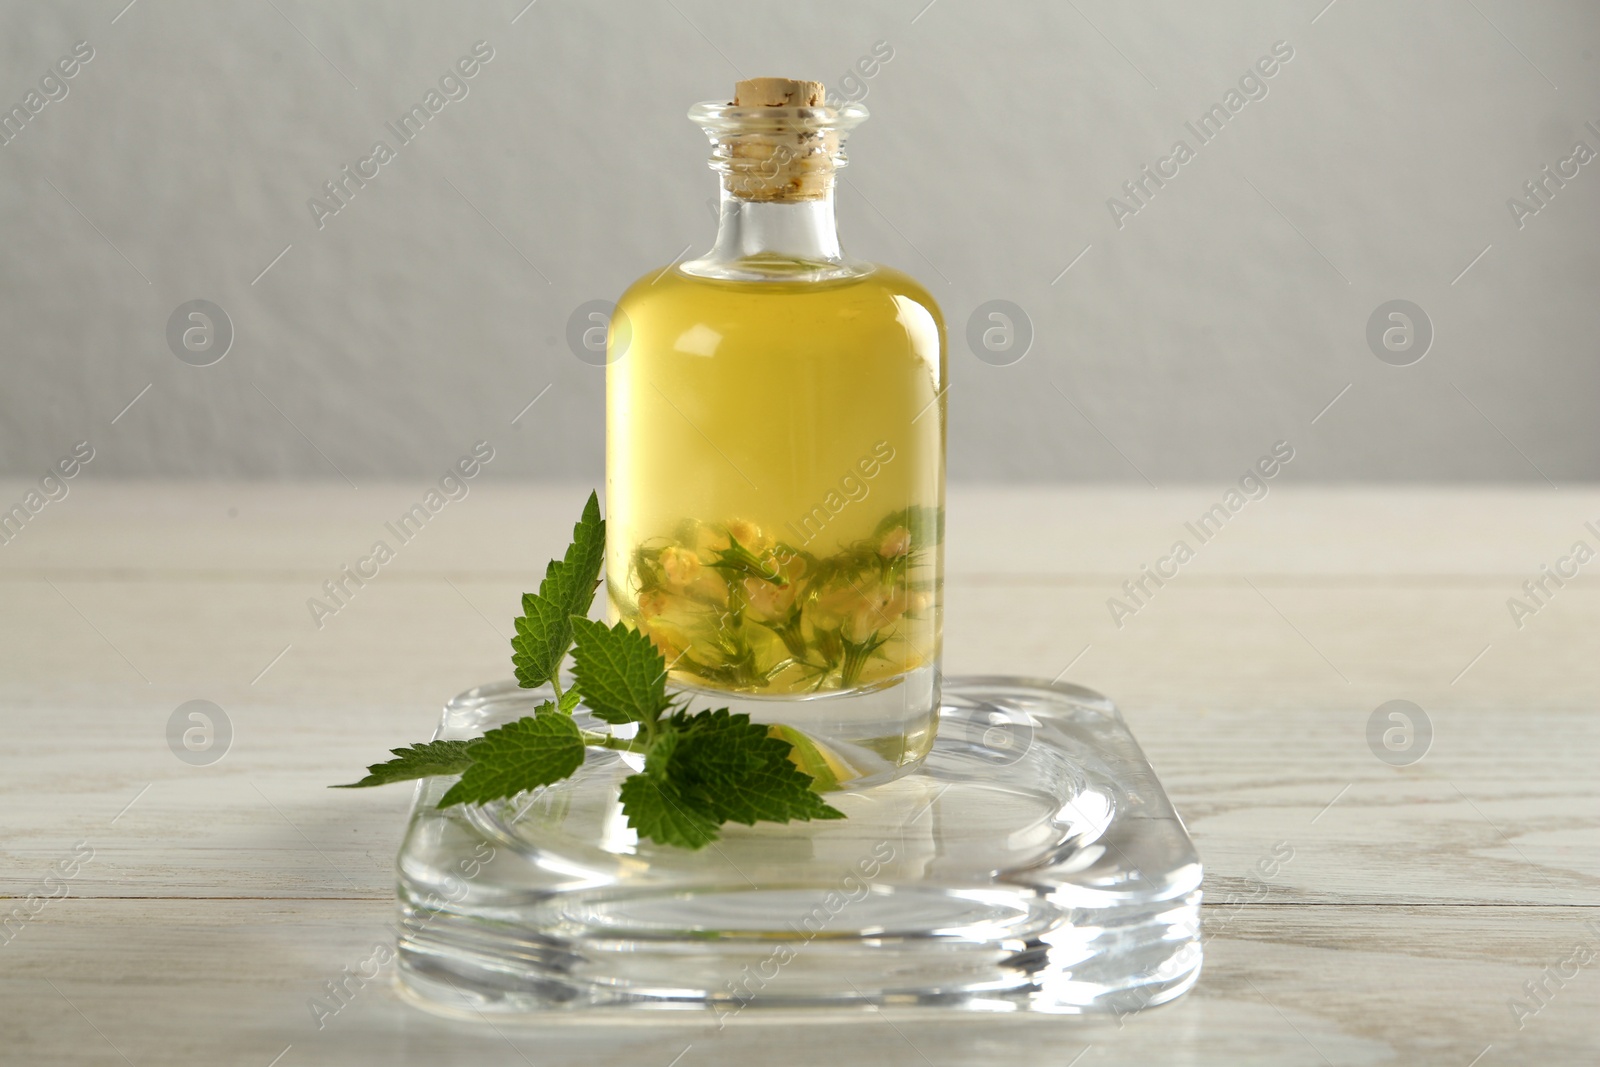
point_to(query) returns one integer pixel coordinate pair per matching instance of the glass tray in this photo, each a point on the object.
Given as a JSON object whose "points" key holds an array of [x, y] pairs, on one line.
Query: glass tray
{"points": [[1031, 864]]}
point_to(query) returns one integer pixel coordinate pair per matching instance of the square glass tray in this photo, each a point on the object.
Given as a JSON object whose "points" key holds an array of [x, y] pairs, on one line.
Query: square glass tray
{"points": [[1031, 864]]}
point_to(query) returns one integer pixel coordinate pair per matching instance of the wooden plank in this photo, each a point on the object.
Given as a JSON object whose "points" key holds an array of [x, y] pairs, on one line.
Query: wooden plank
{"points": [[1199, 643], [1409, 533], [231, 982], [1416, 534], [1481, 821]]}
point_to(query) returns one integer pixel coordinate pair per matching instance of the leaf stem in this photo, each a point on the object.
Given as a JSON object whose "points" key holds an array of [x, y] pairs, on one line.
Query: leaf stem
{"points": [[616, 744]]}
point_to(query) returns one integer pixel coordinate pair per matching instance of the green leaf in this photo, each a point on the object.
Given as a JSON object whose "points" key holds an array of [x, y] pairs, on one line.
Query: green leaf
{"points": [[622, 675], [810, 757], [714, 767], [544, 630], [574, 578], [532, 751], [737, 561], [739, 772], [543, 634], [656, 810], [924, 523], [418, 761]]}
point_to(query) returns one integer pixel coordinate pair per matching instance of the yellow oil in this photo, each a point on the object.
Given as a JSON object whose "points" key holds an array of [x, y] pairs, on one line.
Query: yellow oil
{"points": [[775, 484]]}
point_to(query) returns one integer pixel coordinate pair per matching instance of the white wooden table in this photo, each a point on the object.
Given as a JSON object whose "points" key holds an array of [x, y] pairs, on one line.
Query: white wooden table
{"points": [[219, 899]]}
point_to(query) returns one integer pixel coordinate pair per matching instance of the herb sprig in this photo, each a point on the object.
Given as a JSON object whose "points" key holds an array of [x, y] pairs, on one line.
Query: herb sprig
{"points": [[701, 769]]}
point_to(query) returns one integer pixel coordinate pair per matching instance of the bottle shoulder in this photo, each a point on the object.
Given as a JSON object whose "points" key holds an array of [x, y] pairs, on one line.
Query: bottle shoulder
{"points": [[904, 285], [881, 285]]}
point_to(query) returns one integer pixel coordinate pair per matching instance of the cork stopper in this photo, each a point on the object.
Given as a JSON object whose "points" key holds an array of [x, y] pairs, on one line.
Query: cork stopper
{"points": [[778, 92], [784, 158]]}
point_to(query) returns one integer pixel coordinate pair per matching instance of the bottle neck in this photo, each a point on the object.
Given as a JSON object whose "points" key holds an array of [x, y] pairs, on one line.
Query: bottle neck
{"points": [[802, 230], [776, 240]]}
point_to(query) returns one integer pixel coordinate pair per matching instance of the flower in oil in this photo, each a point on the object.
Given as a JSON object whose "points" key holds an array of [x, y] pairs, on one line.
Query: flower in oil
{"points": [[652, 602], [895, 543], [833, 604], [749, 535], [766, 600], [707, 540], [667, 641], [679, 566], [877, 609], [789, 563]]}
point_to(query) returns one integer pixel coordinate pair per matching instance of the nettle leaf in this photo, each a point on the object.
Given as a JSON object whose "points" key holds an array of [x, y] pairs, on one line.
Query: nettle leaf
{"points": [[541, 641], [535, 750], [656, 810], [572, 580], [711, 768], [418, 761], [544, 630], [810, 758], [739, 772], [621, 673], [924, 523]]}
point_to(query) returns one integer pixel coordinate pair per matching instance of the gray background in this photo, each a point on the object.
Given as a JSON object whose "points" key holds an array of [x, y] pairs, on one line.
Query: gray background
{"points": [[1224, 316]]}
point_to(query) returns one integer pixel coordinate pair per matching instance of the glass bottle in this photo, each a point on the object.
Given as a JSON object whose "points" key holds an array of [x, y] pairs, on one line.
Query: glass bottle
{"points": [[775, 436]]}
